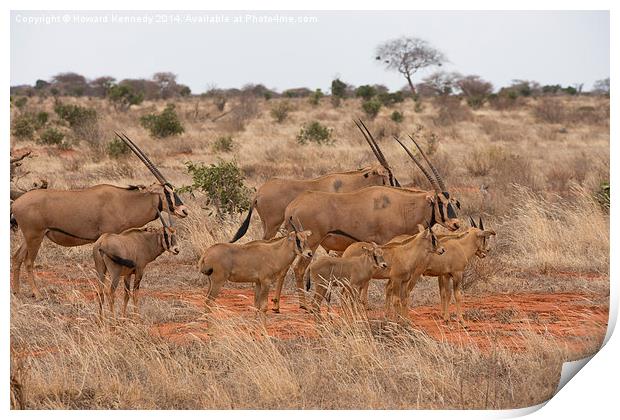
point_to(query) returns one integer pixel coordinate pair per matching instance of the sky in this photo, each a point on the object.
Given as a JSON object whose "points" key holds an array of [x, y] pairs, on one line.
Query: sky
{"points": [[231, 49]]}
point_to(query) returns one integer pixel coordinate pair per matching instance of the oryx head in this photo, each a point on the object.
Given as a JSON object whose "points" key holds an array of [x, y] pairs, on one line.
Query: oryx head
{"points": [[432, 244], [376, 252], [169, 200], [168, 234], [481, 237], [387, 177], [375, 175], [443, 206], [300, 237]]}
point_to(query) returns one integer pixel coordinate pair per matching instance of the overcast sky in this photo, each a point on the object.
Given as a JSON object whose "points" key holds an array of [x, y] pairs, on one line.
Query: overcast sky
{"points": [[549, 47]]}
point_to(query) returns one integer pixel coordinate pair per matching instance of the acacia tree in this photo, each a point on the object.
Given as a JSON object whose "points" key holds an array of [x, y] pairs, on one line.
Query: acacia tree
{"points": [[439, 83], [407, 55]]}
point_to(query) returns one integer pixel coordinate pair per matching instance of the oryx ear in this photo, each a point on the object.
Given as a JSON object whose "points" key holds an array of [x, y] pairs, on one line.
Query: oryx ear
{"points": [[430, 198], [421, 228], [486, 233], [307, 233]]}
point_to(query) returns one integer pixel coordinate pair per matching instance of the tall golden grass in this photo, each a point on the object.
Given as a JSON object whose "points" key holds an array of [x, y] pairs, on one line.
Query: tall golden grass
{"points": [[531, 178]]}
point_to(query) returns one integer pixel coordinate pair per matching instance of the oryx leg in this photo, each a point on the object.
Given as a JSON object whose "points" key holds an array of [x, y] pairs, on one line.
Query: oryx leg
{"points": [[16, 263], [100, 285], [115, 275], [261, 296], [299, 271], [279, 283], [363, 293], [457, 285], [214, 291], [137, 278], [320, 290], [445, 294], [33, 245], [271, 227]]}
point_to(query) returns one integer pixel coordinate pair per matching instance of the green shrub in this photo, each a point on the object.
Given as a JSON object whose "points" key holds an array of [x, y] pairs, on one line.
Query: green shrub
{"points": [[389, 99], [603, 195], [223, 144], [339, 88], [476, 102], [22, 127], [77, 116], [163, 125], [371, 107], [123, 96], [366, 92], [280, 110], [315, 98], [117, 148], [222, 183], [51, 136], [315, 132], [397, 117], [20, 102], [40, 119]]}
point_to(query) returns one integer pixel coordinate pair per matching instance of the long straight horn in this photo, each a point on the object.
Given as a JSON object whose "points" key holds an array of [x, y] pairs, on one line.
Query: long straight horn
{"points": [[140, 154], [378, 152], [290, 220], [419, 165], [481, 226], [372, 147], [471, 222], [148, 160], [439, 180], [161, 217]]}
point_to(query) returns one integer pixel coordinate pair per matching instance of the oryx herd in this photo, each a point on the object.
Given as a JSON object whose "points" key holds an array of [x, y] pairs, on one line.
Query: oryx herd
{"points": [[371, 226]]}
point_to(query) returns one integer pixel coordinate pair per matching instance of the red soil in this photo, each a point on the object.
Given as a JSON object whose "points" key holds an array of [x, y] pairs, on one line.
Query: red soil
{"points": [[572, 319]]}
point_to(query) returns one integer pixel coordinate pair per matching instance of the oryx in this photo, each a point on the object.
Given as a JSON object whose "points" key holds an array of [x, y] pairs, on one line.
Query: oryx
{"points": [[79, 217]]}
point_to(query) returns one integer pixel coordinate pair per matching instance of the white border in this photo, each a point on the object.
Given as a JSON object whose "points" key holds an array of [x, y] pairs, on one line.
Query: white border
{"points": [[593, 393]]}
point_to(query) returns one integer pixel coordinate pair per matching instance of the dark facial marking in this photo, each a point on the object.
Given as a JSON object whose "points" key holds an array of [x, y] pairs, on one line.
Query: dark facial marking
{"points": [[451, 212], [441, 214]]}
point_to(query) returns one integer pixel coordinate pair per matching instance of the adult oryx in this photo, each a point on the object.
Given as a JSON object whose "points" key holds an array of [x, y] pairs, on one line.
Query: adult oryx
{"points": [[372, 214], [274, 195], [79, 217]]}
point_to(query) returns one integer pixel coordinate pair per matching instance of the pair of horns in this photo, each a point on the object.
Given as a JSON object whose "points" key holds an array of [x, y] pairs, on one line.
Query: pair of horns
{"points": [[473, 224], [376, 150], [436, 181], [297, 228], [163, 221], [143, 157]]}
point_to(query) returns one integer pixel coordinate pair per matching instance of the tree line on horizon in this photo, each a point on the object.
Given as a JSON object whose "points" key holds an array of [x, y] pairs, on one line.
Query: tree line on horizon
{"points": [[405, 55]]}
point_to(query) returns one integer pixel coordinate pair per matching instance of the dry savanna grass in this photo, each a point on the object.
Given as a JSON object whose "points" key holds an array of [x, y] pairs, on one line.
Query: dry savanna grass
{"points": [[533, 171]]}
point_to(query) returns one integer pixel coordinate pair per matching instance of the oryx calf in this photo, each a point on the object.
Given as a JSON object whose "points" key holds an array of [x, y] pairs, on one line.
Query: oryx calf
{"points": [[460, 249], [407, 259], [259, 262], [128, 253], [352, 272]]}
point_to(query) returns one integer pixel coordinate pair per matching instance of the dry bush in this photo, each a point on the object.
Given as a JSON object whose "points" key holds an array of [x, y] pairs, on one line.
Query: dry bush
{"points": [[546, 236], [450, 111], [76, 363], [550, 110], [241, 114], [483, 159]]}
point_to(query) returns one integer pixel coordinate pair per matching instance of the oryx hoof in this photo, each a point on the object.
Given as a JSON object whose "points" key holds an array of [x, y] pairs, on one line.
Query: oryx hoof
{"points": [[276, 310], [302, 306]]}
